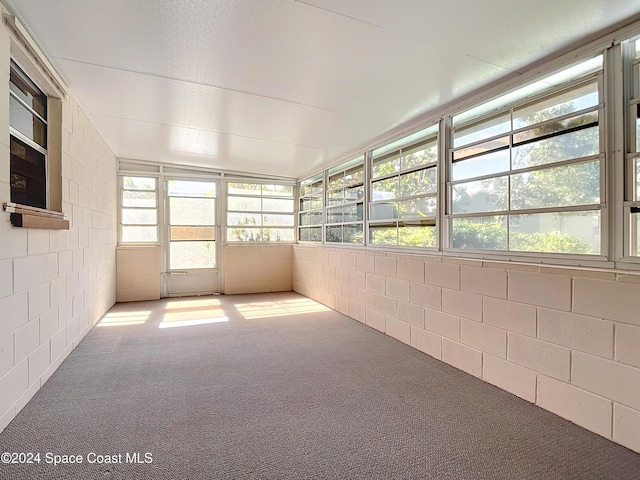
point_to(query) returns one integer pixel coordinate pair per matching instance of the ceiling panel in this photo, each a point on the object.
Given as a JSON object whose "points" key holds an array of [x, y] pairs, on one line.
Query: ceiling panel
{"points": [[282, 86]]}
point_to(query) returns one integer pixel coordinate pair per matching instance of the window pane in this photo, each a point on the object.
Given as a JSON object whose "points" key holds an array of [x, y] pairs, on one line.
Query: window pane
{"points": [[244, 189], [139, 216], [353, 213], [243, 234], [562, 232], [354, 175], [277, 205], [334, 233], [383, 235], [420, 155], [192, 211], [485, 129], [191, 255], [305, 219], [480, 196], [192, 233], [480, 148], [278, 190], [582, 143], [336, 181], [27, 123], [244, 204], [574, 100], [190, 188], [637, 181], [425, 207], [334, 215], [278, 220], [384, 189], [634, 232], [278, 235], [487, 164], [316, 218], [28, 175], [576, 184], [352, 194], [386, 165], [138, 199], [243, 218], [384, 211], [311, 234], [419, 183], [417, 236], [486, 233], [353, 233], [555, 127], [139, 183], [139, 234], [27, 91], [335, 197]]}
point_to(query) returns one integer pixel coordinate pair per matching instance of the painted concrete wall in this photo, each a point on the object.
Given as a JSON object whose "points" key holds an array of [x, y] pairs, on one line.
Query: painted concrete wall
{"points": [[138, 273], [258, 268], [567, 340], [54, 284]]}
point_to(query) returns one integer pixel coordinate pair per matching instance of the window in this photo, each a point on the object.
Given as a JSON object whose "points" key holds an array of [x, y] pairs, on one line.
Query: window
{"points": [[28, 140], [310, 203], [139, 212], [403, 204], [345, 201], [632, 203], [260, 212], [528, 178]]}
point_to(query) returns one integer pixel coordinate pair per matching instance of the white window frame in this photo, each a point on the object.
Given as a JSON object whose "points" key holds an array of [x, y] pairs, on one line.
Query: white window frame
{"points": [[342, 169]]}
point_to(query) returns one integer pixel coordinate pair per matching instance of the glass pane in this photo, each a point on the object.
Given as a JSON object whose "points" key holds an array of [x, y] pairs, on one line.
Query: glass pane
{"points": [[419, 183], [480, 196], [480, 148], [353, 213], [190, 188], [188, 255], [634, 232], [383, 235], [27, 123], [573, 100], [310, 204], [139, 216], [251, 204], [191, 233], [485, 233], [354, 175], [576, 184], [386, 165], [334, 233], [336, 181], [384, 211], [353, 233], [139, 234], [484, 129], [334, 215], [244, 188], [28, 175], [138, 199], [384, 189], [420, 155], [278, 235], [277, 205], [417, 236], [278, 190], [562, 232], [139, 183], [314, 234], [316, 218], [554, 127], [582, 143], [637, 109], [423, 208], [637, 180], [243, 218], [487, 164], [192, 211], [277, 220], [244, 234], [335, 197], [352, 194], [305, 219], [27, 91]]}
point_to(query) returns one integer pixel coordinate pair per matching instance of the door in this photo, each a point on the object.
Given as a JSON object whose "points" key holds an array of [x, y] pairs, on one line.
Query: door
{"points": [[192, 250]]}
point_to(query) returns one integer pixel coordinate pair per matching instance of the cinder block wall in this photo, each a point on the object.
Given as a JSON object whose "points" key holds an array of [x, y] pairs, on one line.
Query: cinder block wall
{"points": [[138, 273], [54, 284], [567, 340], [258, 268]]}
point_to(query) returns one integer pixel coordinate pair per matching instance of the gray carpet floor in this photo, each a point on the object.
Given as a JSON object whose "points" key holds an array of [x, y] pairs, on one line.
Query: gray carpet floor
{"points": [[285, 389]]}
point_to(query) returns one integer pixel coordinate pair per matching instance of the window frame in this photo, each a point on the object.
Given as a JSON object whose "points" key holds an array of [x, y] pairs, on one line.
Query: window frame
{"points": [[357, 163], [121, 207], [311, 195]]}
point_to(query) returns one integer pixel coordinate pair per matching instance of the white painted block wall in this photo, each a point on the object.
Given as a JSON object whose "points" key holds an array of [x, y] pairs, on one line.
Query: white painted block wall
{"points": [[54, 284], [567, 340]]}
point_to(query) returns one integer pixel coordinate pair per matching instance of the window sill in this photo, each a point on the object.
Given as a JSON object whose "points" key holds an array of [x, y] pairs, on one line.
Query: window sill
{"points": [[24, 216]]}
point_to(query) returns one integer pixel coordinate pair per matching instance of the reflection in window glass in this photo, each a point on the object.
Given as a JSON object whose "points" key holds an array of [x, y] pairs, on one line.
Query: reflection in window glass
{"points": [[192, 255], [139, 234], [490, 195], [582, 143], [480, 233], [487, 164], [479, 131], [346, 200], [417, 236]]}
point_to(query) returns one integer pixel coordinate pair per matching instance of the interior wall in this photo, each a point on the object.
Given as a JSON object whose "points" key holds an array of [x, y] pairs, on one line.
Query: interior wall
{"points": [[258, 268], [138, 273], [54, 284], [567, 340]]}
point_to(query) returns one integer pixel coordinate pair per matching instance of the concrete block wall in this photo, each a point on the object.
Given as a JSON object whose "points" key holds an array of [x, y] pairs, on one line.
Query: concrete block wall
{"points": [[54, 284], [567, 340], [258, 268], [138, 273]]}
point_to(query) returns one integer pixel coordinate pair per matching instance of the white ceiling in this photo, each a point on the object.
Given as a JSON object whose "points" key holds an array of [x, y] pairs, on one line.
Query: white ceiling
{"points": [[281, 87]]}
